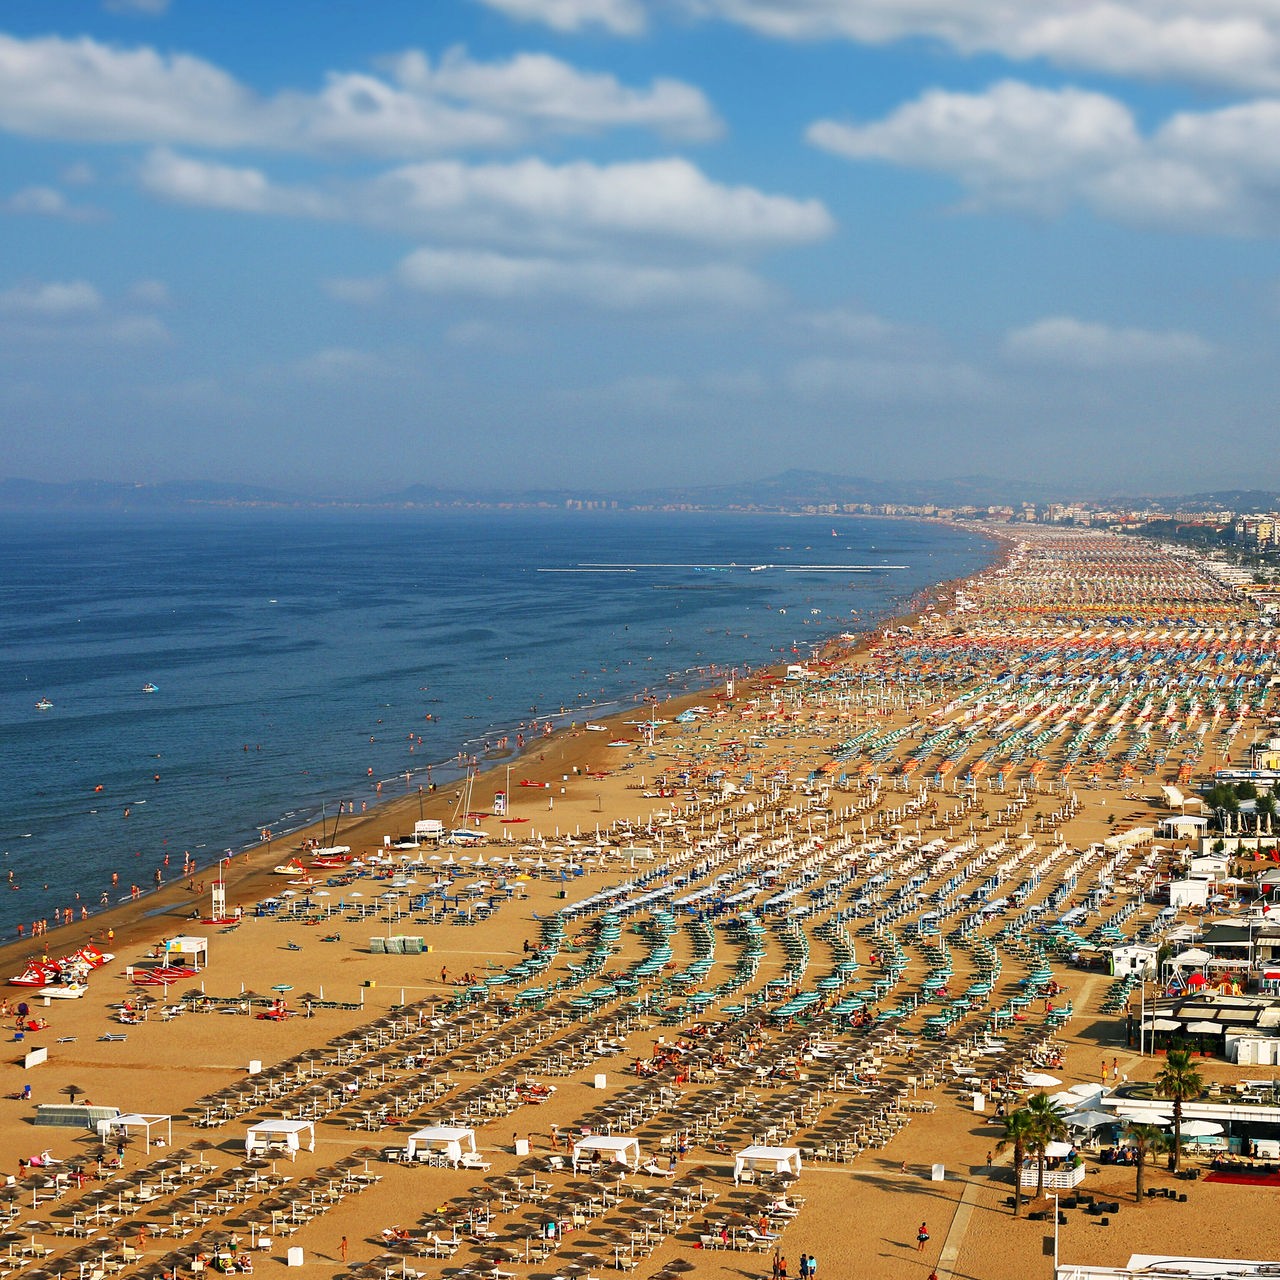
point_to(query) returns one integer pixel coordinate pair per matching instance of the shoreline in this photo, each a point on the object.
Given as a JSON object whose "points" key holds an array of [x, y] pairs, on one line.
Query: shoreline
{"points": [[128, 915], [788, 1015]]}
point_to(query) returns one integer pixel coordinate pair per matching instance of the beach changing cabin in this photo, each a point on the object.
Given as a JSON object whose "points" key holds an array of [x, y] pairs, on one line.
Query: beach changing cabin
{"points": [[280, 1136], [623, 1151], [770, 1159], [444, 1143]]}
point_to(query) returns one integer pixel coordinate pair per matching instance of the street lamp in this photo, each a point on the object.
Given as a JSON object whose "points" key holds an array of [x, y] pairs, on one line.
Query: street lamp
{"points": [[1055, 1235]]}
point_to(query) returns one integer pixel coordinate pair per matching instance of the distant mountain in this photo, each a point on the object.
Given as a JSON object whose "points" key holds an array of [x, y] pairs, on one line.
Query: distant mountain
{"points": [[792, 490], [1226, 500]]}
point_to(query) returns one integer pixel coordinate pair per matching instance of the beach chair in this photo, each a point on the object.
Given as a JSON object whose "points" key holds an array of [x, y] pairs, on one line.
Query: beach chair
{"points": [[107, 1035]]}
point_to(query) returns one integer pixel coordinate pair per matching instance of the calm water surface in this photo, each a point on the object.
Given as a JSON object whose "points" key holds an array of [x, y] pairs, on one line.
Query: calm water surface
{"points": [[298, 659]]}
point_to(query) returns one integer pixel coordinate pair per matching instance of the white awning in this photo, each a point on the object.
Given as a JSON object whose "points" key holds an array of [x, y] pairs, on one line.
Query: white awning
{"points": [[140, 1120], [775, 1159], [450, 1141], [624, 1151], [286, 1134]]}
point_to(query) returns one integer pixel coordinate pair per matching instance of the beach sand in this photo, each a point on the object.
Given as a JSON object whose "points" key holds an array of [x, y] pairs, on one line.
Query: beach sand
{"points": [[859, 1217]]}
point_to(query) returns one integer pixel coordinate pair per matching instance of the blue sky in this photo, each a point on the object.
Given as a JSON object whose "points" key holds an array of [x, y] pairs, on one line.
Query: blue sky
{"points": [[613, 243]]}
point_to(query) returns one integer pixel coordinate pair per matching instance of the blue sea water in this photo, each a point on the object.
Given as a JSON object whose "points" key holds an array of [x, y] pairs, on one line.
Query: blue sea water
{"points": [[298, 656]]}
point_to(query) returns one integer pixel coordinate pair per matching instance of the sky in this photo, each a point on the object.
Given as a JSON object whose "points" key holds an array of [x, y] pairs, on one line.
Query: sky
{"points": [[342, 247]]}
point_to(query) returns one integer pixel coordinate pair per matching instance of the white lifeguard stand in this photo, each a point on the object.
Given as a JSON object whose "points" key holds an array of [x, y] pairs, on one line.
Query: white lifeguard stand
{"points": [[218, 905]]}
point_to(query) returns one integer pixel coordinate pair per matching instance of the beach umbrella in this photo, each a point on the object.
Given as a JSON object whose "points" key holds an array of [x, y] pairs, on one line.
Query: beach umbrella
{"points": [[1092, 1119], [1200, 1129]]}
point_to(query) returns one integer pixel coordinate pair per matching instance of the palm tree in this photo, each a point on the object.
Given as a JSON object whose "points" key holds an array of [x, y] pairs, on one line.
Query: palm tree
{"points": [[1050, 1122], [1179, 1081], [1147, 1140], [1019, 1128]]}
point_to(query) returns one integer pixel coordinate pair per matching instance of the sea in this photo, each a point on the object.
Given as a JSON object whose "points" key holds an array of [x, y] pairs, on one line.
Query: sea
{"points": [[213, 676]]}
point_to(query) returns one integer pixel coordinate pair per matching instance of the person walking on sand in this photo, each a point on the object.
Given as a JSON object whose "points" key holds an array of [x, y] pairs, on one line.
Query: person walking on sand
{"points": [[342, 1248], [922, 1237], [777, 1264]]}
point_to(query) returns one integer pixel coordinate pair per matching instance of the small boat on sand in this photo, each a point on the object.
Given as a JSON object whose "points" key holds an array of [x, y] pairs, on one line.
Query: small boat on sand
{"points": [[35, 975], [64, 990], [291, 868]]}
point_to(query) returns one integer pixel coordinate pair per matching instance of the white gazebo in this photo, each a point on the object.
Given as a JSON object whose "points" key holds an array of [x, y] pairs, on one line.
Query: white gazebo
{"points": [[280, 1135], [624, 1151], [447, 1142], [141, 1121], [772, 1159]]}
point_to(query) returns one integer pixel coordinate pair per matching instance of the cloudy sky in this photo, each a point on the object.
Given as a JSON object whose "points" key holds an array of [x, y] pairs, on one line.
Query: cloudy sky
{"points": [[342, 246]]}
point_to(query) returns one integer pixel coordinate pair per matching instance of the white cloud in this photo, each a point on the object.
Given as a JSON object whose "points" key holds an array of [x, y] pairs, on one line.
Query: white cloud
{"points": [[847, 327], [1220, 42], [526, 203], [45, 201], [621, 17], [57, 299], [147, 8], [150, 293], [57, 313], [608, 284], [1079, 344], [48, 202], [342, 364], [898, 381], [219, 186], [1018, 146], [84, 90], [544, 91], [1013, 144], [531, 200]]}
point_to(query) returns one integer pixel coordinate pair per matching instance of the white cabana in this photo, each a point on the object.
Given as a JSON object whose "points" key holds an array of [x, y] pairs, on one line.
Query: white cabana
{"points": [[624, 1151], [280, 1135], [773, 1159], [444, 1141], [140, 1121], [1183, 822], [187, 950]]}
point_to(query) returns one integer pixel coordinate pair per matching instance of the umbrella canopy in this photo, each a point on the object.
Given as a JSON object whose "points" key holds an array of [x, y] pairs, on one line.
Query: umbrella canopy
{"points": [[1091, 1119], [1201, 1129]]}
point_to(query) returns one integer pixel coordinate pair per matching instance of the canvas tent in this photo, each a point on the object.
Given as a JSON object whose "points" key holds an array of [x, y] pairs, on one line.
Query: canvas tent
{"points": [[139, 1120], [625, 1151], [450, 1142], [284, 1135], [773, 1159]]}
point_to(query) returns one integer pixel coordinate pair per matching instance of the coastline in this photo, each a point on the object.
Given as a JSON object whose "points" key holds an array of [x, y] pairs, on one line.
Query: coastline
{"points": [[248, 871], [433, 1036]]}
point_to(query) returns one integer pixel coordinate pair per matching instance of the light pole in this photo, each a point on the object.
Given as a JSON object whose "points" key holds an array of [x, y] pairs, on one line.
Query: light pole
{"points": [[1055, 1235]]}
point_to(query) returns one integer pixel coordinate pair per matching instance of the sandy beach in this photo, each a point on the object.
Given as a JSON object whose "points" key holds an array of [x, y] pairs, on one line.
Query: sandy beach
{"points": [[769, 922]]}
